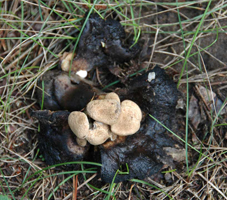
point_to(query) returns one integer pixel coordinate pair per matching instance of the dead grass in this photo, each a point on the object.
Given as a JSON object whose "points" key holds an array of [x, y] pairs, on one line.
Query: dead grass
{"points": [[34, 33]]}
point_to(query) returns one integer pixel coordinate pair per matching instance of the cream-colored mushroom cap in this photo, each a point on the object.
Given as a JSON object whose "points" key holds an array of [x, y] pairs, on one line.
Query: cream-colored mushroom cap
{"points": [[66, 61], [98, 134], [129, 121], [79, 124], [106, 111], [113, 95]]}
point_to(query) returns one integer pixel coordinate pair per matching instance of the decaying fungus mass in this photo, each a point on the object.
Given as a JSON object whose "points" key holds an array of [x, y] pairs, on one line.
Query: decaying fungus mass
{"points": [[118, 123]]}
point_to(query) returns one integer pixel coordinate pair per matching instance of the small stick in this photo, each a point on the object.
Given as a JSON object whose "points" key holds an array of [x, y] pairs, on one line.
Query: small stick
{"points": [[130, 193], [75, 181]]}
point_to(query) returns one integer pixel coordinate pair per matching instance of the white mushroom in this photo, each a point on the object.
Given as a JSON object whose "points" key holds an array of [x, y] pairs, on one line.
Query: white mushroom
{"points": [[124, 120], [106, 111], [79, 124], [82, 73], [129, 121], [98, 134], [114, 96], [66, 61]]}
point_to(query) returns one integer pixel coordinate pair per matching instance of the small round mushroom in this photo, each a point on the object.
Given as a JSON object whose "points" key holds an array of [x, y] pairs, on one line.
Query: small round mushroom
{"points": [[79, 124], [106, 111], [79, 67], [66, 60], [129, 121], [98, 134], [81, 142], [113, 95], [82, 73]]}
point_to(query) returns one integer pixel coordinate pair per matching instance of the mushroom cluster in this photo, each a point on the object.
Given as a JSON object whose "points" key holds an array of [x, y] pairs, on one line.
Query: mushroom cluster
{"points": [[142, 154], [111, 118]]}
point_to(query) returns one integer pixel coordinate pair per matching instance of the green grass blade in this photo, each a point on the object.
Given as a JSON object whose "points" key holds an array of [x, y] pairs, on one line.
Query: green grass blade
{"points": [[179, 137], [144, 182], [193, 41]]}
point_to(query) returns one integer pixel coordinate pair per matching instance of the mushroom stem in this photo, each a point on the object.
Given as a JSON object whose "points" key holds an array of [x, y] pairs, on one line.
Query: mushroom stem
{"points": [[81, 142], [112, 136]]}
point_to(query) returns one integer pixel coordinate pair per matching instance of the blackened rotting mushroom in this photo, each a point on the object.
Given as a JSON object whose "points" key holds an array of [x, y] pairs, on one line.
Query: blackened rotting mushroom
{"points": [[101, 44], [144, 152], [61, 94], [57, 143], [50, 101]]}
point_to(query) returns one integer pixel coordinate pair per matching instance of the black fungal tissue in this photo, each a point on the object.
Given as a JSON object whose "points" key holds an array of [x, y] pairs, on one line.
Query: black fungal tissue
{"points": [[144, 152], [102, 44], [137, 156], [57, 143], [61, 94]]}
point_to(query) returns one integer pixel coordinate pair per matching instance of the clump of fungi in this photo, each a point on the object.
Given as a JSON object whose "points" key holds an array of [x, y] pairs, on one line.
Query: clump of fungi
{"points": [[145, 152], [67, 134], [112, 118]]}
